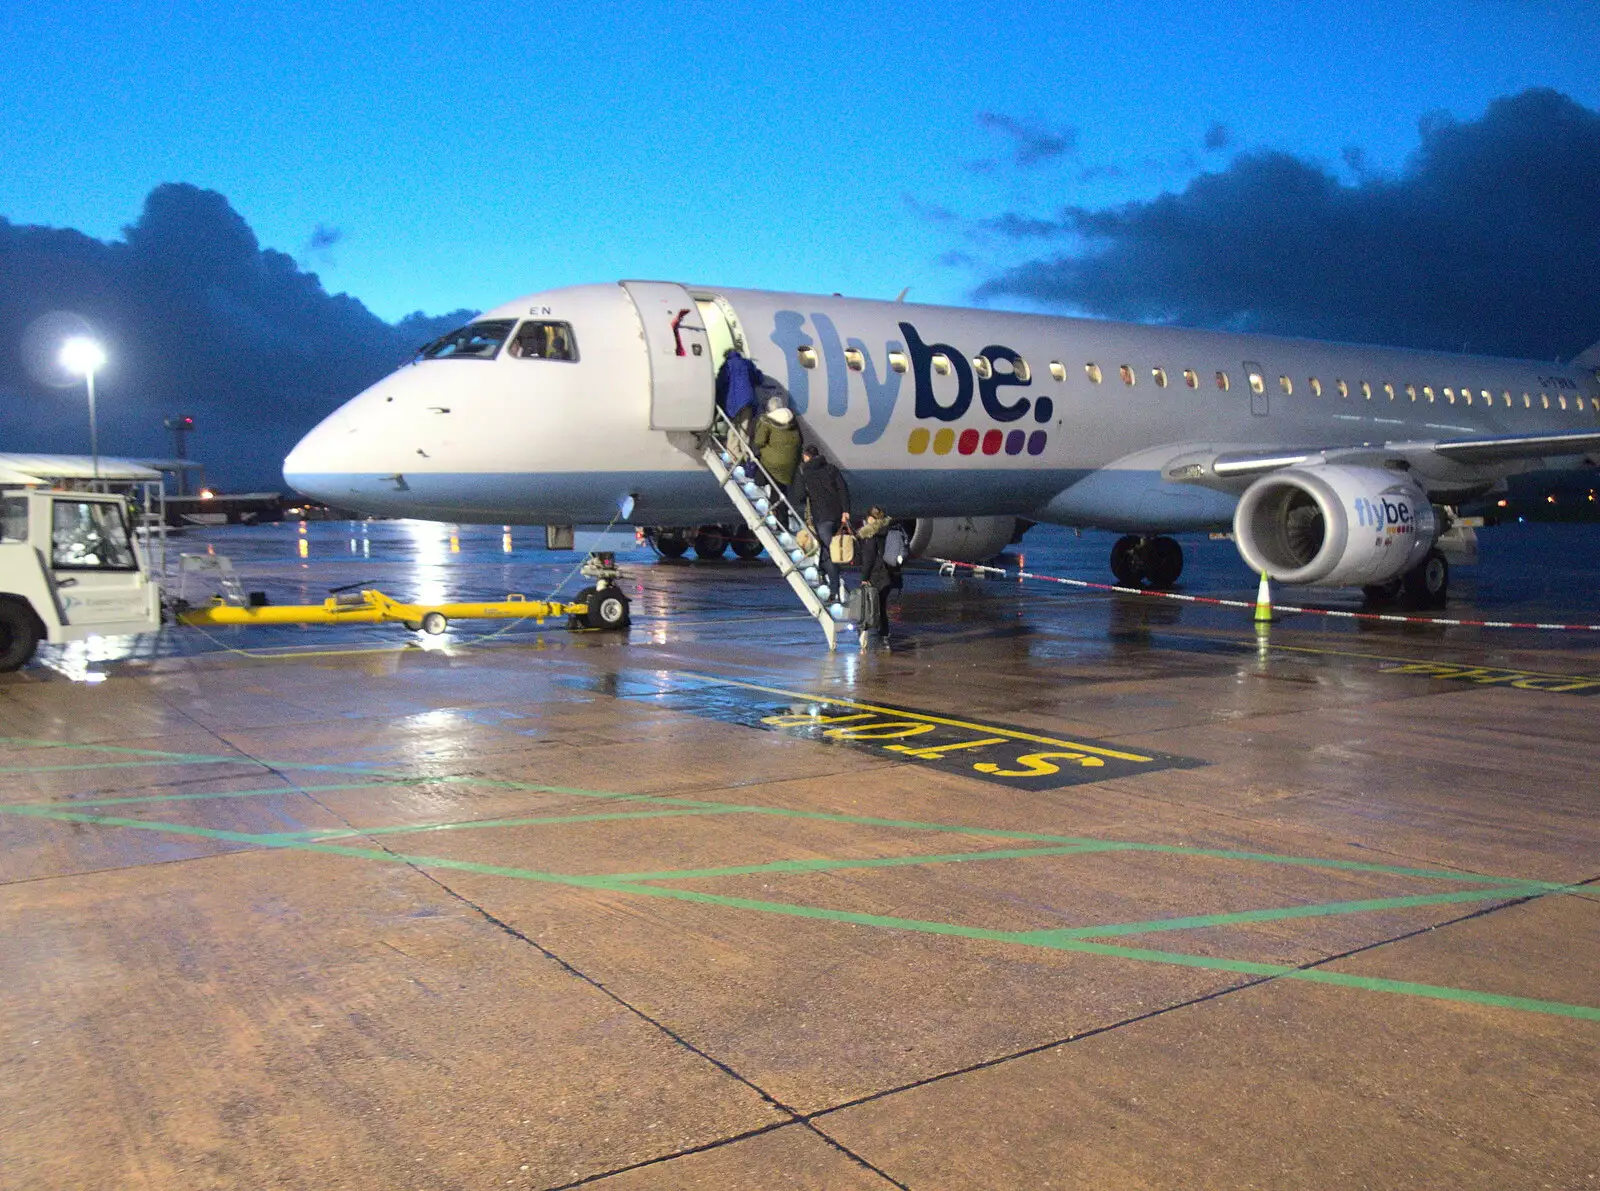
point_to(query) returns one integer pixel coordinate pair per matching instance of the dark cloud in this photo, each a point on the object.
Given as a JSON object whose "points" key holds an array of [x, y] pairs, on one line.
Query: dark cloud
{"points": [[1030, 144], [1217, 137], [323, 238], [1490, 236], [197, 318]]}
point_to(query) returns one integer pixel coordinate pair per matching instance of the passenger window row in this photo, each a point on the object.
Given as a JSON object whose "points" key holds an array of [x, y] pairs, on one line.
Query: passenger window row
{"points": [[984, 367]]}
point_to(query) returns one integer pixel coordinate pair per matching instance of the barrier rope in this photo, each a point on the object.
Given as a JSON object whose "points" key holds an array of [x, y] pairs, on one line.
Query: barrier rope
{"points": [[949, 566]]}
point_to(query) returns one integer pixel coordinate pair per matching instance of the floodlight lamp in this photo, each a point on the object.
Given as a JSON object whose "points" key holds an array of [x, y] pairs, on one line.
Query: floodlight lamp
{"points": [[82, 356]]}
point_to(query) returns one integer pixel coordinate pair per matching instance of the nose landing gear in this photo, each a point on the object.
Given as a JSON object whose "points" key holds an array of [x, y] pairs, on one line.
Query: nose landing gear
{"points": [[1137, 559]]}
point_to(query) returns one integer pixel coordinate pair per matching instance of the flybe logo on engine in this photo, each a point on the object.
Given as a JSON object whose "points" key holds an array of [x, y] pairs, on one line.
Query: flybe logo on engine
{"points": [[965, 387], [1390, 513]]}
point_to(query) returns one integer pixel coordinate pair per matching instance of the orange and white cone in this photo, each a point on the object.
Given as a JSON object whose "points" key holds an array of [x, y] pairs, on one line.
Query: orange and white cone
{"points": [[1263, 601]]}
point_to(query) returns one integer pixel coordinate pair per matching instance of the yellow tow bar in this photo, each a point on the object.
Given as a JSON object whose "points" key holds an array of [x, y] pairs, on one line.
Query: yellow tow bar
{"points": [[605, 608]]}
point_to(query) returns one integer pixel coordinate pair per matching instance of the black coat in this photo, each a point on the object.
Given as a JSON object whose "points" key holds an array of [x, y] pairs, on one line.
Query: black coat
{"points": [[823, 485]]}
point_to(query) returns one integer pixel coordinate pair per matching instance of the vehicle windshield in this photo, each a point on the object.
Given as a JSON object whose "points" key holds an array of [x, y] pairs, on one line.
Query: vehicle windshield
{"points": [[475, 341], [89, 534]]}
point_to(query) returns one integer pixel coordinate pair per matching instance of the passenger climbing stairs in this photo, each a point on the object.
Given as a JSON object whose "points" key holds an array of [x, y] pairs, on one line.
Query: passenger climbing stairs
{"points": [[727, 453]]}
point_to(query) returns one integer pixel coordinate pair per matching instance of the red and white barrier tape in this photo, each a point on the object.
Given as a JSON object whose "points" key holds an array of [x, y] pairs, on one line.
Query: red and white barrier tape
{"points": [[1384, 617]]}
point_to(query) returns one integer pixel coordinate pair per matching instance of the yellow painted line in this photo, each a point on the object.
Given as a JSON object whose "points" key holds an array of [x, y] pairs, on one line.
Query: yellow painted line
{"points": [[1012, 733]]}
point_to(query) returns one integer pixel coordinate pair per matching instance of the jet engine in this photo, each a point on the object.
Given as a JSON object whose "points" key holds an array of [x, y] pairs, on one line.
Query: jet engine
{"points": [[962, 539], [1334, 526]]}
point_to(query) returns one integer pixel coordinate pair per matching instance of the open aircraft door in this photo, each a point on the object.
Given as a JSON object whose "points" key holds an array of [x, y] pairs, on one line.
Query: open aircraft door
{"points": [[682, 369]]}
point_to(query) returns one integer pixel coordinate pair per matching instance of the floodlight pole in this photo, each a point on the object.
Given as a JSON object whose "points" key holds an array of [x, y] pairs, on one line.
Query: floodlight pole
{"points": [[94, 439]]}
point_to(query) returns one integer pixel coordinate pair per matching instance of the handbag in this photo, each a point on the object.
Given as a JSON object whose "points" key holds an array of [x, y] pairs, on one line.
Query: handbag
{"points": [[806, 540], [843, 548]]}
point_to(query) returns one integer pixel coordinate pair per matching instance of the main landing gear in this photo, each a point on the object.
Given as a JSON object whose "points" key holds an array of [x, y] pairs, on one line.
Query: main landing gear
{"points": [[1426, 585], [1157, 561]]}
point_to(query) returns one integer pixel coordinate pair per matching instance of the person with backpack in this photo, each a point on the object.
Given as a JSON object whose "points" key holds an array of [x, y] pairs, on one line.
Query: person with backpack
{"points": [[881, 550]]}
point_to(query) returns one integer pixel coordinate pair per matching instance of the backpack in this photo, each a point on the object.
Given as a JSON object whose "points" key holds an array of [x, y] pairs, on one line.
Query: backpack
{"points": [[895, 547]]}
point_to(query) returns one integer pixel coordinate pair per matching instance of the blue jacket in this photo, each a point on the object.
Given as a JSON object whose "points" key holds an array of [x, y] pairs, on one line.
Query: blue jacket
{"points": [[736, 383]]}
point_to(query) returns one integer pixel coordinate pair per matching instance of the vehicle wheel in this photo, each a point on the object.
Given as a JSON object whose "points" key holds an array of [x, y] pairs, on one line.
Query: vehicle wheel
{"points": [[19, 635], [1125, 561], [746, 545], [434, 623], [1427, 585], [1163, 562], [710, 542], [1382, 593], [671, 544], [608, 609]]}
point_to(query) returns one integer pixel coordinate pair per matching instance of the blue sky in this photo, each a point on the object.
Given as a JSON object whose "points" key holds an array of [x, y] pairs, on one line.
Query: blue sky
{"points": [[462, 155]]}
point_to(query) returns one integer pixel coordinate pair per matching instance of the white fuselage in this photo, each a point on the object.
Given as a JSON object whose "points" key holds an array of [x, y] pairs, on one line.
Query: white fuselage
{"points": [[930, 411]]}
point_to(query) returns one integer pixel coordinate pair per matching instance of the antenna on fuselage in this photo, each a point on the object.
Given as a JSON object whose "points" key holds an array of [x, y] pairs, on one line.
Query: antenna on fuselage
{"points": [[903, 294]]}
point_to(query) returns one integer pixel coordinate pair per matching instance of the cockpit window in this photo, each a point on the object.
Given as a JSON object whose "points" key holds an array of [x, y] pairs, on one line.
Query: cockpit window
{"points": [[475, 341], [544, 341]]}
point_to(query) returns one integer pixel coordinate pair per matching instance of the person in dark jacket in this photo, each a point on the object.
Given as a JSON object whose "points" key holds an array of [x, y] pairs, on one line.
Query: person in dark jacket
{"points": [[819, 482], [877, 572], [736, 389]]}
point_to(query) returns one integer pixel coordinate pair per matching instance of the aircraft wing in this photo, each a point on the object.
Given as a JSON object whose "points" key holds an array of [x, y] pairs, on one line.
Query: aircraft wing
{"points": [[1444, 465]]}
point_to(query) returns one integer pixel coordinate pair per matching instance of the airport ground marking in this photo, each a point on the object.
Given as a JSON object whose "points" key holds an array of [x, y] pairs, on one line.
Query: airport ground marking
{"points": [[1056, 940], [328, 833]]}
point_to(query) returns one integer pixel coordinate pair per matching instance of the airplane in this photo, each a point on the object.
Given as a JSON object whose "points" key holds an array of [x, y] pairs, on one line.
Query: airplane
{"points": [[1332, 464]]}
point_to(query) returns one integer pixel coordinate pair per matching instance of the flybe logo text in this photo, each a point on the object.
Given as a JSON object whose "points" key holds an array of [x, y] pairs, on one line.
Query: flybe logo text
{"points": [[947, 385], [1384, 513]]}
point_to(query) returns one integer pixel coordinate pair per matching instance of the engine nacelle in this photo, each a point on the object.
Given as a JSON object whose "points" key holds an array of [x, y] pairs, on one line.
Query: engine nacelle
{"points": [[962, 539], [1334, 526]]}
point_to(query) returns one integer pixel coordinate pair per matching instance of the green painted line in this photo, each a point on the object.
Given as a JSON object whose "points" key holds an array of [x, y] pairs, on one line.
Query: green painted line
{"points": [[825, 864], [1313, 910], [75, 804], [1024, 938], [326, 833], [158, 757]]}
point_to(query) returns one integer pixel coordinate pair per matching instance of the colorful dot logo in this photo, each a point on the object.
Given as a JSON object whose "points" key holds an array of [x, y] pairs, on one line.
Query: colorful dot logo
{"points": [[972, 441]]}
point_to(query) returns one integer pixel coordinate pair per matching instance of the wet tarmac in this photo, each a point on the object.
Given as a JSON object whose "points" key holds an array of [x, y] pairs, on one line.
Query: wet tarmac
{"points": [[1067, 889]]}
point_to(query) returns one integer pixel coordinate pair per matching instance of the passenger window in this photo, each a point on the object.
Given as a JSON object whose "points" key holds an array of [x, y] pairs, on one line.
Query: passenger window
{"points": [[1020, 370], [1563, 401], [1222, 381], [807, 355], [1427, 391], [475, 341], [1389, 390], [90, 535], [898, 361], [1507, 395], [1258, 386], [1544, 400], [941, 364], [1366, 390], [1093, 372], [1127, 375], [1159, 375], [1058, 370], [1344, 389], [1527, 401], [13, 519], [1316, 387], [1411, 391], [1286, 385], [853, 359], [1449, 394], [1191, 378], [544, 341], [981, 365]]}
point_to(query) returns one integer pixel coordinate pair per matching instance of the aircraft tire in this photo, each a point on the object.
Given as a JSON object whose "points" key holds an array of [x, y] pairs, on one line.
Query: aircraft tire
{"points": [[608, 609], [1125, 561], [746, 545], [19, 635], [1383, 593], [1427, 585], [1163, 562], [433, 623], [710, 542], [671, 544]]}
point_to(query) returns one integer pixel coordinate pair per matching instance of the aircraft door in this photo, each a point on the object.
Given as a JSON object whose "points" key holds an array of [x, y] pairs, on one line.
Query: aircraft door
{"points": [[1256, 378], [682, 368]]}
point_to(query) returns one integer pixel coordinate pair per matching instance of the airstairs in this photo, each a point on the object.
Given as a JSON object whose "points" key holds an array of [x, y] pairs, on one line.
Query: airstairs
{"points": [[767, 511]]}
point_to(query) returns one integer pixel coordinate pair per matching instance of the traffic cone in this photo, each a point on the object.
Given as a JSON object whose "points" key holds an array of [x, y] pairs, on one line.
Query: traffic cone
{"points": [[1264, 601]]}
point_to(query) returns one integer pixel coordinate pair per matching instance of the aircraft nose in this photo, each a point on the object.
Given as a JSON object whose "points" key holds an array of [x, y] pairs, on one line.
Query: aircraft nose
{"points": [[317, 459]]}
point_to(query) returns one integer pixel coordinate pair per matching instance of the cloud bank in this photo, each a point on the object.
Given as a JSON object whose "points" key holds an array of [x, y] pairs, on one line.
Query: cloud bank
{"points": [[1489, 238], [197, 318]]}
